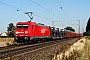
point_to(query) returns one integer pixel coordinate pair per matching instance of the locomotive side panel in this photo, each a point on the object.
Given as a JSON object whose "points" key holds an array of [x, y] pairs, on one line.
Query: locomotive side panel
{"points": [[41, 31]]}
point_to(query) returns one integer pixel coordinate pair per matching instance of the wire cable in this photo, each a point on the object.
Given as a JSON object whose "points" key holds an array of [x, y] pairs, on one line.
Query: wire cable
{"points": [[50, 8], [45, 8], [64, 12], [34, 11], [28, 9], [62, 9], [13, 7]]}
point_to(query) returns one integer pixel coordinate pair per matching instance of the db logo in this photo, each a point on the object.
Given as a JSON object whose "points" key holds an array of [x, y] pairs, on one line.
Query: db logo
{"points": [[42, 31]]}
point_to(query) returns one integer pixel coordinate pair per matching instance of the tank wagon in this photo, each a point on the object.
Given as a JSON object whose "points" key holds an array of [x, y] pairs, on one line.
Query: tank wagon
{"points": [[31, 31]]}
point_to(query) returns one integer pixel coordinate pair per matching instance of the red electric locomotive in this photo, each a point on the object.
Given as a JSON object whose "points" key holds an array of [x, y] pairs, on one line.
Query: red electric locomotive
{"points": [[30, 31]]}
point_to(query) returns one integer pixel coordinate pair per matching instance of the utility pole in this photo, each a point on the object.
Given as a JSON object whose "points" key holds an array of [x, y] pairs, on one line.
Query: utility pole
{"points": [[79, 25], [31, 17], [53, 23], [83, 29]]}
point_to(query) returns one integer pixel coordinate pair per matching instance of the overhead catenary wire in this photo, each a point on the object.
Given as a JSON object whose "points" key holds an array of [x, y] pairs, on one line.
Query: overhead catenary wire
{"points": [[16, 8], [31, 10], [21, 5], [50, 8], [62, 9], [13, 7], [34, 11], [45, 9], [64, 12]]}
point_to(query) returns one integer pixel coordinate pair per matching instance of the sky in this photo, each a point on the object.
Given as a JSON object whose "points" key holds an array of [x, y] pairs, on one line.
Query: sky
{"points": [[63, 12]]}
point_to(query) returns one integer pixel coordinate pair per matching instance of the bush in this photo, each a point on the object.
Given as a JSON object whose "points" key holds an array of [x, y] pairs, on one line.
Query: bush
{"points": [[11, 34], [86, 33], [3, 36]]}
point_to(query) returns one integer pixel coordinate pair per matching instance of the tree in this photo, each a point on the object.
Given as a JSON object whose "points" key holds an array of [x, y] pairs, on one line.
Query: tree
{"points": [[11, 34], [10, 29], [88, 25], [69, 28], [87, 33]]}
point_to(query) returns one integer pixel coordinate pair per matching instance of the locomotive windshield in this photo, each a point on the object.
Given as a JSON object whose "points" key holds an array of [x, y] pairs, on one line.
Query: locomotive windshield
{"points": [[22, 26]]}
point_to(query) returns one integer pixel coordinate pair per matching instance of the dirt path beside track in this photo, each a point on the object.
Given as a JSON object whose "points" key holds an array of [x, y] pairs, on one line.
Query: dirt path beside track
{"points": [[6, 41]]}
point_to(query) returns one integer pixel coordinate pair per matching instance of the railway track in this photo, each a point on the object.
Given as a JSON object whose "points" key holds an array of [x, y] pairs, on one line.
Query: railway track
{"points": [[15, 50]]}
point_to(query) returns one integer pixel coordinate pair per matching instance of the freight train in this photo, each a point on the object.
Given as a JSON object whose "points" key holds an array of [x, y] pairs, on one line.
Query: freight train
{"points": [[31, 31]]}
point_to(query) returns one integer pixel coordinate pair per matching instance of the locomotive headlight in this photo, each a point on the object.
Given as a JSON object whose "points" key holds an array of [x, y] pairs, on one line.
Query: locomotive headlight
{"points": [[26, 31], [17, 32], [16, 35]]}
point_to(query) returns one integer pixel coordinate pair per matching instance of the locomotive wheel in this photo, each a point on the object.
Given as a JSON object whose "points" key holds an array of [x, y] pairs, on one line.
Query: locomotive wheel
{"points": [[27, 42], [45, 40], [34, 40]]}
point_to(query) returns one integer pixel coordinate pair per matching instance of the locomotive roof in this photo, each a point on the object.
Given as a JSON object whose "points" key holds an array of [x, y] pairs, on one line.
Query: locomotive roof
{"points": [[24, 22], [39, 24]]}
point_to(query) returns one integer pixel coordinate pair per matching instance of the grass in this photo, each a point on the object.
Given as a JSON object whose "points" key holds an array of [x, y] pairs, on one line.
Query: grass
{"points": [[85, 53], [6, 39]]}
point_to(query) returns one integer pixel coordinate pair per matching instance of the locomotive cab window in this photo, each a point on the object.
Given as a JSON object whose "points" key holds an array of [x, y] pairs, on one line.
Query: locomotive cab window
{"points": [[22, 26], [19, 26], [25, 26]]}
